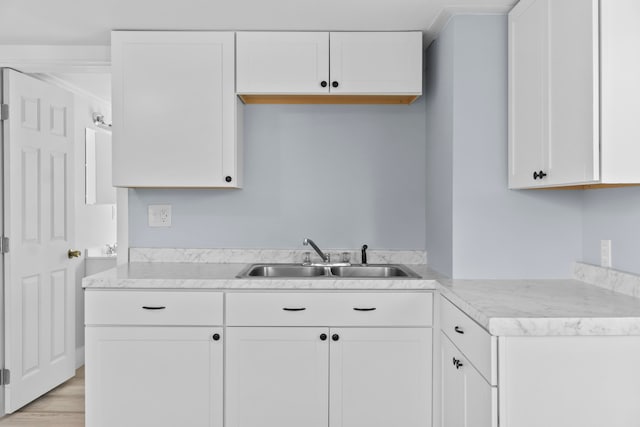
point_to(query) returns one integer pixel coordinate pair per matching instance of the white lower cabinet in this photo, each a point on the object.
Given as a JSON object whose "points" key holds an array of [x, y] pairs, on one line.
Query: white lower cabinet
{"points": [[380, 377], [467, 398], [341, 377], [277, 377], [154, 376]]}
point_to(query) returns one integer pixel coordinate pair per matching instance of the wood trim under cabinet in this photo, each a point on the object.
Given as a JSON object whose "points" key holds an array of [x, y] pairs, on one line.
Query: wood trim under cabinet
{"points": [[329, 99], [586, 187]]}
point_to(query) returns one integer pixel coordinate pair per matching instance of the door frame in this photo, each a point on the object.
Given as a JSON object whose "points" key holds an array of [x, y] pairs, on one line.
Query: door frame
{"points": [[56, 59]]}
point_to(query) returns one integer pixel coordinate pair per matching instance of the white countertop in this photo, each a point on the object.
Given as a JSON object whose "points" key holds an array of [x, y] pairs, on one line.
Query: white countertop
{"points": [[544, 307], [222, 276], [502, 307]]}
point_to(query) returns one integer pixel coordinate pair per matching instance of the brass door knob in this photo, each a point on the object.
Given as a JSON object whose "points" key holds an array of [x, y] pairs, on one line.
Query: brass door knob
{"points": [[73, 254]]}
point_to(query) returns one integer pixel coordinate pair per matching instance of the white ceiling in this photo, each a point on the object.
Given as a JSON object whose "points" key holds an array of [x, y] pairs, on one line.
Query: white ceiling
{"points": [[89, 22]]}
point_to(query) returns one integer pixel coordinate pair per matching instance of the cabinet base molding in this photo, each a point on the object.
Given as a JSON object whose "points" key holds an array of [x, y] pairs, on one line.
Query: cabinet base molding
{"points": [[329, 99]]}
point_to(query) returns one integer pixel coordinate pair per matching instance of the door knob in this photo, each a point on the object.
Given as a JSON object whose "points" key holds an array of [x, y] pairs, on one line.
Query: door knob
{"points": [[73, 254]]}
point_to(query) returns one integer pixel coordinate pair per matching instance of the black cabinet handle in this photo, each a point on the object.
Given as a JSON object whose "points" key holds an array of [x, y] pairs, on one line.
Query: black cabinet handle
{"points": [[323, 337], [294, 309], [335, 337], [228, 178], [459, 365], [323, 83], [364, 309], [216, 337], [539, 175], [455, 361], [158, 307], [458, 329], [334, 84]]}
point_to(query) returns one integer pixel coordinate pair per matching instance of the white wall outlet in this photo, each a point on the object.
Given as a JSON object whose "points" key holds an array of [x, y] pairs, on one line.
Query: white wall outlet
{"points": [[605, 253], [159, 215]]}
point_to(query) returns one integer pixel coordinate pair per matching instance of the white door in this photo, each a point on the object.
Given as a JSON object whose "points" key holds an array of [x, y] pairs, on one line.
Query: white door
{"points": [[154, 376], [282, 62], [365, 62], [38, 219], [277, 377]]}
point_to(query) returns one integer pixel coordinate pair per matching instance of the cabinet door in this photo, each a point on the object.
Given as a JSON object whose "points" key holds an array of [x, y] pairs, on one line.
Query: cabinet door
{"points": [[554, 93], [467, 398], [153, 376], [365, 62], [282, 62], [528, 92], [174, 109], [276, 377], [380, 377]]}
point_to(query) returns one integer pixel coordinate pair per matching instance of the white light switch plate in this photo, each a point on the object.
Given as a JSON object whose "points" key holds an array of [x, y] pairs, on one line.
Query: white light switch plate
{"points": [[159, 215]]}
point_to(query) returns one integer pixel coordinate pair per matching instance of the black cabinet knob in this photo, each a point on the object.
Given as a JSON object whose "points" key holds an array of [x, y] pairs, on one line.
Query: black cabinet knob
{"points": [[216, 337], [334, 84], [335, 337], [323, 337], [539, 175], [228, 179], [458, 329], [323, 83]]}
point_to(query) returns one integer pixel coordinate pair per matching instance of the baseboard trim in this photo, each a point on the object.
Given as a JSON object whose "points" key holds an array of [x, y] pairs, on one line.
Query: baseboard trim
{"points": [[79, 357]]}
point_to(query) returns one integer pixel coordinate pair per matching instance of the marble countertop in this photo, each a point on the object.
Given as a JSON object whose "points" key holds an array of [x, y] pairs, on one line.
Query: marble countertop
{"points": [[174, 275], [544, 307], [502, 307]]}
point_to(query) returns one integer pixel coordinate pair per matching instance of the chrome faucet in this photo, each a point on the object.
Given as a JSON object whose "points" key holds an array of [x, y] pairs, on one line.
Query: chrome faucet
{"points": [[315, 247]]}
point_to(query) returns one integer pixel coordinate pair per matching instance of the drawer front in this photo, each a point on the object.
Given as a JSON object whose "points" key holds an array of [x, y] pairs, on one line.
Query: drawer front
{"points": [[474, 341], [329, 309], [178, 308]]}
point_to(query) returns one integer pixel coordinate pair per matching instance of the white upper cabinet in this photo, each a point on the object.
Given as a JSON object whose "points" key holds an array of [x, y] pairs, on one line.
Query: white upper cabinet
{"points": [[572, 88], [375, 63], [175, 113], [282, 62], [342, 63]]}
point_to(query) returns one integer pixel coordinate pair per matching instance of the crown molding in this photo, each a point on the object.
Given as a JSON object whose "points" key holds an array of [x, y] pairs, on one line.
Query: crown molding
{"points": [[56, 58]]}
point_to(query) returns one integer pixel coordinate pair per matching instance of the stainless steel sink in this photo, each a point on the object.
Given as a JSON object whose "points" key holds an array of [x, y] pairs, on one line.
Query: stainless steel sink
{"points": [[370, 271], [283, 270]]}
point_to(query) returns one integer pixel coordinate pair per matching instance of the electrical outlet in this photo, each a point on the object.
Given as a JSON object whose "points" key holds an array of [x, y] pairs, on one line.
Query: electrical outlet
{"points": [[159, 215], [605, 253]]}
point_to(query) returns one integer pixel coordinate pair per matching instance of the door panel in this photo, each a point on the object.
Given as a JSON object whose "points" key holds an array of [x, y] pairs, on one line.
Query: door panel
{"points": [[380, 377], [154, 376], [276, 377], [38, 200]]}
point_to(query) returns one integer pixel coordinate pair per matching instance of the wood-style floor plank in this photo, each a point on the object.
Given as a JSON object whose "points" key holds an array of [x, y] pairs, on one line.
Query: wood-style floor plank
{"points": [[61, 407]]}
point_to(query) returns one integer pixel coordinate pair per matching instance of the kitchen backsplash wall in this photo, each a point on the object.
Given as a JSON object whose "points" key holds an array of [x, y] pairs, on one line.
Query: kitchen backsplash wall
{"points": [[613, 214], [342, 175]]}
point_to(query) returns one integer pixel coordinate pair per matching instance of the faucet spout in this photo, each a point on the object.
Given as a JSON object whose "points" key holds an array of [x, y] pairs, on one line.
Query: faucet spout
{"points": [[315, 247]]}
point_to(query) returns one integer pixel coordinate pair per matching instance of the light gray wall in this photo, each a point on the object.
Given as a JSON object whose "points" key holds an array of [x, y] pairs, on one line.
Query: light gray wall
{"points": [[496, 232], [342, 175], [613, 214], [438, 95]]}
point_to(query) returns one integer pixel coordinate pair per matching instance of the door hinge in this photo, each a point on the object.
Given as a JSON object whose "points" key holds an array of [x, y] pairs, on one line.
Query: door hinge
{"points": [[4, 245], [5, 377], [4, 112]]}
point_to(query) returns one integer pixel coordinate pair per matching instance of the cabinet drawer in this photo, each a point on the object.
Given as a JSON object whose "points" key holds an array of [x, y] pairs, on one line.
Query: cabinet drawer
{"points": [[153, 308], [476, 343], [329, 309]]}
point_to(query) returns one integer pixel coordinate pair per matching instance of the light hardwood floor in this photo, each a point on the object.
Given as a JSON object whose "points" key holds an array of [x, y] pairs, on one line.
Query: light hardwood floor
{"points": [[61, 407]]}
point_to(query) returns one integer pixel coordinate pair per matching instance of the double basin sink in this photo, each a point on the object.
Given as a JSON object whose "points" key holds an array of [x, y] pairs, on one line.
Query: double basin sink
{"points": [[369, 271]]}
